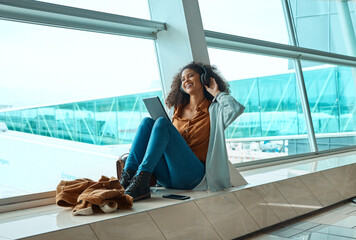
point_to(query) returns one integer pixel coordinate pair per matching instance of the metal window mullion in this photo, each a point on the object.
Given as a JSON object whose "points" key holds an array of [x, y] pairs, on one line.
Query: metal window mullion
{"points": [[305, 105], [337, 87], [250, 45], [346, 26], [329, 28], [300, 79], [49, 14], [259, 104]]}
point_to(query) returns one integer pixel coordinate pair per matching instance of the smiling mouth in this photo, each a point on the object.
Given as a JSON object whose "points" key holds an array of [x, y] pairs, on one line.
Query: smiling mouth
{"points": [[188, 85]]}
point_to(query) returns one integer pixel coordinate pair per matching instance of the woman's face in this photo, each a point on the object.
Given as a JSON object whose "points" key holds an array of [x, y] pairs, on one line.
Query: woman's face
{"points": [[191, 82]]}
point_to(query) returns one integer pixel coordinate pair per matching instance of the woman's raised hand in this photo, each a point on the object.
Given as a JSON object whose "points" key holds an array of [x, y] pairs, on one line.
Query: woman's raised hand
{"points": [[213, 88]]}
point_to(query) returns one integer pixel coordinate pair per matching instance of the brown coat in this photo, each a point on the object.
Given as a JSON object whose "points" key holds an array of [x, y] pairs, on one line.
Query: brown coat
{"points": [[86, 196]]}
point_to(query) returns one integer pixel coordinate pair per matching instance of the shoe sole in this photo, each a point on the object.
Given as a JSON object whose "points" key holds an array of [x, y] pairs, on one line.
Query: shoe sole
{"points": [[142, 197]]}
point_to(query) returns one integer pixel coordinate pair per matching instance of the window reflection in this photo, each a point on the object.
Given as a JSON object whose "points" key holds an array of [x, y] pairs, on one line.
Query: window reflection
{"points": [[325, 25]]}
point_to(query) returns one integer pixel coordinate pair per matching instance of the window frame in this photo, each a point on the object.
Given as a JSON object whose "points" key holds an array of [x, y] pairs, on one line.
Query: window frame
{"points": [[36, 12]]}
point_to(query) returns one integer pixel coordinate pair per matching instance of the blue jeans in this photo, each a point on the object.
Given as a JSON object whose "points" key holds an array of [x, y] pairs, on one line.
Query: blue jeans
{"points": [[160, 149]]}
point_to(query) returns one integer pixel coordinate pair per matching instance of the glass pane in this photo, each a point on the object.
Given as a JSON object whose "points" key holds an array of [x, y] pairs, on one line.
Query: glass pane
{"points": [[65, 125], [273, 123], [69, 99], [332, 99], [46, 124], [325, 25], [106, 121], [130, 114], [84, 114], [132, 8], [58, 65], [255, 18]]}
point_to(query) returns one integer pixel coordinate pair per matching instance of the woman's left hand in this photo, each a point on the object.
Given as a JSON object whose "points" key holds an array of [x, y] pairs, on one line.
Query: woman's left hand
{"points": [[213, 88]]}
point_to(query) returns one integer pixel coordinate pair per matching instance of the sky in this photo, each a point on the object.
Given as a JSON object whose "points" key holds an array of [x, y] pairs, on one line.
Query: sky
{"points": [[42, 65]]}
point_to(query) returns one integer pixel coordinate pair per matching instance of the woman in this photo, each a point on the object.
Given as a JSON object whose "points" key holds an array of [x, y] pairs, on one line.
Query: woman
{"points": [[191, 152]]}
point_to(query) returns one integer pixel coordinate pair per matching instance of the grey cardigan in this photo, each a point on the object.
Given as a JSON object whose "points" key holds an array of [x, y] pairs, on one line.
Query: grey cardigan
{"points": [[219, 172]]}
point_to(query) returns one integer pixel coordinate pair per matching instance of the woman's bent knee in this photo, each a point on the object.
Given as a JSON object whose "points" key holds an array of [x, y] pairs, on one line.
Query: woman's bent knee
{"points": [[147, 121], [162, 121]]}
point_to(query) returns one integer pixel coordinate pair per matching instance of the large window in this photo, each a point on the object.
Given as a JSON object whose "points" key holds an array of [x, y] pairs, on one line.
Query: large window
{"points": [[254, 18], [46, 73], [273, 124]]}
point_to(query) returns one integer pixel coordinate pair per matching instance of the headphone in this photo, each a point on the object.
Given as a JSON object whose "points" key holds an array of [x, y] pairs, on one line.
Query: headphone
{"points": [[204, 79]]}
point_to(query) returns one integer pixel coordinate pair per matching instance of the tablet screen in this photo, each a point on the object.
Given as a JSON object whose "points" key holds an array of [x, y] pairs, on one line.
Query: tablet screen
{"points": [[155, 108]]}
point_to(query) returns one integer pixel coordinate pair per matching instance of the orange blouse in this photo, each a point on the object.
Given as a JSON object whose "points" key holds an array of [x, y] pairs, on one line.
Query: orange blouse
{"points": [[195, 131]]}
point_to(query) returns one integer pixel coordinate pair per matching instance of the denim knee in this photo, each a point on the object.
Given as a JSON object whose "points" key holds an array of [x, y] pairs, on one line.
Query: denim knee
{"points": [[162, 122], [147, 121]]}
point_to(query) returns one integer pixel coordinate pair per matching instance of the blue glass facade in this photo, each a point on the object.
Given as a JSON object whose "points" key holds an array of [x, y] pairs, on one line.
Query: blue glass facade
{"points": [[101, 121], [272, 109]]}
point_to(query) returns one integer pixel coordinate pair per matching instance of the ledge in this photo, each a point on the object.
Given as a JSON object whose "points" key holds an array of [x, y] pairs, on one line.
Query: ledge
{"points": [[274, 195]]}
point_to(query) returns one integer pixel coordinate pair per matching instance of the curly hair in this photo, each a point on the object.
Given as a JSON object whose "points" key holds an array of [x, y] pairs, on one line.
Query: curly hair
{"points": [[176, 97]]}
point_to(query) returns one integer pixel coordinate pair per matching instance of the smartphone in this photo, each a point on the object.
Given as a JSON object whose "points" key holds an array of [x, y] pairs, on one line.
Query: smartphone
{"points": [[175, 196]]}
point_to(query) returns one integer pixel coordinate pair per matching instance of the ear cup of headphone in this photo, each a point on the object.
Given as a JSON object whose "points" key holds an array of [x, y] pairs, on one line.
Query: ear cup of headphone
{"points": [[204, 77]]}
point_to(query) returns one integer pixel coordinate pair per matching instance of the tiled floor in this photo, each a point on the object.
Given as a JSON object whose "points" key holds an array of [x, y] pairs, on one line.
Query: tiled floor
{"points": [[334, 223]]}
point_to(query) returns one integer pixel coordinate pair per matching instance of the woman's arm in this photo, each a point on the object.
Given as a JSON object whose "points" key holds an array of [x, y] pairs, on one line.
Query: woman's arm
{"points": [[230, 107]]}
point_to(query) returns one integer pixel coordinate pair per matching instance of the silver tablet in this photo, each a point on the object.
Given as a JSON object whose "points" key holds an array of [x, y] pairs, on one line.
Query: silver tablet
{"points": [[155, 108]]}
